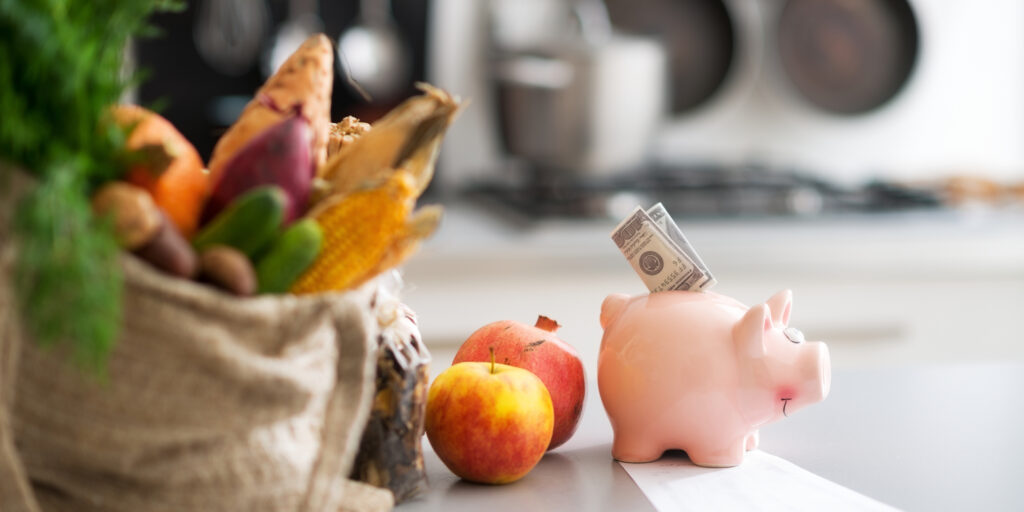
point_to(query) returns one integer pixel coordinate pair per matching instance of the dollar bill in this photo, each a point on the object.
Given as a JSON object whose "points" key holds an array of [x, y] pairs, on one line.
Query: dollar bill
{"points": [[661, 264], [667, 224]]}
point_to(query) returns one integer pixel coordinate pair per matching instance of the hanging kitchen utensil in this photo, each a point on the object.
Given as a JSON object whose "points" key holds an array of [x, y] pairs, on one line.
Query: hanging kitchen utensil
{"points": [[847, 56], [700, 39], [303, 21], [373, 52], [584, 106], [228, 33]]}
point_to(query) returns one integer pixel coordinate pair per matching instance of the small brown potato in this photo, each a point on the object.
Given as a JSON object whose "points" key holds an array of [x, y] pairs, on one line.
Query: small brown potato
{"points": [[228, 269], [170, 252], [136, 217]]}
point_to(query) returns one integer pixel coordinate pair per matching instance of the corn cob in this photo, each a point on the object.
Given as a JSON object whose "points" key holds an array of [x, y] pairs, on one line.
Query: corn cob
{"points": [[411, 131], [361, 231], [420, 225], [365, 194], [343, 133]]}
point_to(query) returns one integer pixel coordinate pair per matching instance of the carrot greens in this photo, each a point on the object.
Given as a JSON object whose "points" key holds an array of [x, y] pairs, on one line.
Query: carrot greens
{"points": [[61, 67]]}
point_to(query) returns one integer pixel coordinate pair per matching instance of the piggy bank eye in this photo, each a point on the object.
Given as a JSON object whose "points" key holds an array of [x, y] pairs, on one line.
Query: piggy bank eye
{"points": [[793, 334]]}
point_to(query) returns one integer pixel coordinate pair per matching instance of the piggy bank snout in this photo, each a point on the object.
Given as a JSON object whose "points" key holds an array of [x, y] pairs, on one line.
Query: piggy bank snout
{"points": [[817, 371]]}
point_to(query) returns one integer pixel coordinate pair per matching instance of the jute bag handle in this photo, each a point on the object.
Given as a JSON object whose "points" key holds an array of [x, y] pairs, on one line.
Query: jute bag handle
{"points": [[15, 489]]}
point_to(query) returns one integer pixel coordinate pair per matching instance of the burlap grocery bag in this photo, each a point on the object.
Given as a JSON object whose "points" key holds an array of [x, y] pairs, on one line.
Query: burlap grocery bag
{"points": [[213, 403]]}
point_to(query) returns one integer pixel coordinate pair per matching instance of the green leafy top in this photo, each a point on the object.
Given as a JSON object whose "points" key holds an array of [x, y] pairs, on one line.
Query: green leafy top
{"points": [[61, 67]]}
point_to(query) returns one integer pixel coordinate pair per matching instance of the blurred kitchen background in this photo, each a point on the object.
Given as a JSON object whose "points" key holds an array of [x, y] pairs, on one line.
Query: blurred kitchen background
{"points": [[868, 154]]}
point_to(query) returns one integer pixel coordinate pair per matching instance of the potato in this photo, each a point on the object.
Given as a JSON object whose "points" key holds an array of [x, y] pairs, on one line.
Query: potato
{"points": [[228, 269], [136, 218]]}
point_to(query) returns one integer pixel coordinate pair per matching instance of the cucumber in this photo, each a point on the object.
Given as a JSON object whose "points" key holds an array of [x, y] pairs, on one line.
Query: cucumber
{"points": [[248, 224], [289, 256]]}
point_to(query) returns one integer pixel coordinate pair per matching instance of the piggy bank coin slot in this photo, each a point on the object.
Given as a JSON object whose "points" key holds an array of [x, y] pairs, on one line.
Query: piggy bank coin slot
{"points": [[794, 334]]}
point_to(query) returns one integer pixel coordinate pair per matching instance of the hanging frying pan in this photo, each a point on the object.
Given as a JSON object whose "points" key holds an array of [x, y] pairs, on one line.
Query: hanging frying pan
{"points": [[699, 37], [847, 56]]}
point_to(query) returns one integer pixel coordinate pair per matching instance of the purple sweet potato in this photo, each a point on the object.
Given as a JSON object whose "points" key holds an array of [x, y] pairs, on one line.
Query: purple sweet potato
{"points": [[279, 156]]}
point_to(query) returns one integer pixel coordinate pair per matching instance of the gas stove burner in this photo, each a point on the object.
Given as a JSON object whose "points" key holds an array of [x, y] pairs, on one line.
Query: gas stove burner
{"points": [[705, 192]]}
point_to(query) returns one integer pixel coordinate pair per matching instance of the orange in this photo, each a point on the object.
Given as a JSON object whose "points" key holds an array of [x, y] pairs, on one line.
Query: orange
{"points": [[179, 187]]}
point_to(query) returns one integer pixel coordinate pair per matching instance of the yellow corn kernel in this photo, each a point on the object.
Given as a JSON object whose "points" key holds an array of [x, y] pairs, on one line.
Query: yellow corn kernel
{"points": [[359, 231], [420, 225]]}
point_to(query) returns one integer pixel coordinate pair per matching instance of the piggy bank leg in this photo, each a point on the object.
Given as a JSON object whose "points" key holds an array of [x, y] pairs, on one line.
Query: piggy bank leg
{"points": [[752, 439], [721, 457], [635, 448]]}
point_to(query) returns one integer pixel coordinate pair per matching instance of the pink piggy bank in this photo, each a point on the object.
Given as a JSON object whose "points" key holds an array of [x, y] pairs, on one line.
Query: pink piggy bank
{"points": [[700, 372]]}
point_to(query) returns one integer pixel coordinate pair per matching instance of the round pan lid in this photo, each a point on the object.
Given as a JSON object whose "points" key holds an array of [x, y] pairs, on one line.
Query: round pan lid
{"points": [[847, 56]]}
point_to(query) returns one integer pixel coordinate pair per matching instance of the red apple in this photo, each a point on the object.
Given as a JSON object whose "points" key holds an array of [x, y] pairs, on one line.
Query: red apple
{"points": [[538, 350], [489, 423]]}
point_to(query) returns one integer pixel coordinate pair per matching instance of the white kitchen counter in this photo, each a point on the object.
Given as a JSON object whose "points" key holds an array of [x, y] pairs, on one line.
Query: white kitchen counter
{"points": [[882, 289], [935, 437], [898, 298]]}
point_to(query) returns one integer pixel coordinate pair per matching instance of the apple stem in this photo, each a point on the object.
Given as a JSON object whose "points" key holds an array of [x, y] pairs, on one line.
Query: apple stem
{"points": [[492, 358]]}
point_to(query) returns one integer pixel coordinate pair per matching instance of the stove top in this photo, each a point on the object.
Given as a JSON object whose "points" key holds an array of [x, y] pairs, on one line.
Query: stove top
{"points": [[701, 192]]}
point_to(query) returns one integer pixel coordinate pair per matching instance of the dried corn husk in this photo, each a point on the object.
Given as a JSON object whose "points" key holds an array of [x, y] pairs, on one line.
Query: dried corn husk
{"points": [[408, 137]]}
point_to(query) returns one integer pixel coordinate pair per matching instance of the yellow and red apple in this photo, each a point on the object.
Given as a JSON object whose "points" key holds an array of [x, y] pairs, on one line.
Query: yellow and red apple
{"points": [[538, 350], [489, 423]]}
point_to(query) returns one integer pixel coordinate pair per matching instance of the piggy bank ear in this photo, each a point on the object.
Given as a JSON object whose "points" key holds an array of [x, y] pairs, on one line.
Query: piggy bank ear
{"points": [[612, 307], [749, 333], [781, 304]]}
